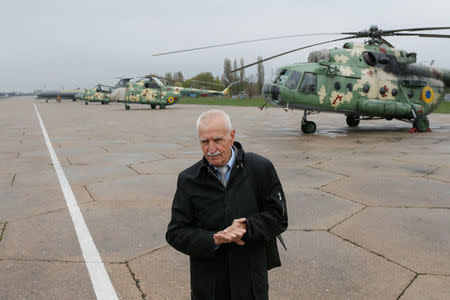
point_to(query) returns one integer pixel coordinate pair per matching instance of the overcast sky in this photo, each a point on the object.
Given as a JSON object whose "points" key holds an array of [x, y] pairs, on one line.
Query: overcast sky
{"points": [[69, 44]]}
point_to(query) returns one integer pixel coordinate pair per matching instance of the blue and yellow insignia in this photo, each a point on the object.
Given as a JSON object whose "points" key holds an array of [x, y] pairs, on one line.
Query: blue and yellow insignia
{"points": [[427, 94], [170, 99]]}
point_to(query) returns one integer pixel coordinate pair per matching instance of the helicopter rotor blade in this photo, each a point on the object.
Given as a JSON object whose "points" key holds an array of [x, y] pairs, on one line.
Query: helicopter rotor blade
{"points": [[415, 29], [423, 35], [386, 42], [193, 80], [290, 51], [243, 42]]}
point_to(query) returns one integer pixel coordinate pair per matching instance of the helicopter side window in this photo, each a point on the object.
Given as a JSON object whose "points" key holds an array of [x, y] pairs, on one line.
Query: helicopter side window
{"points": [[309, 83], [293, 81], [284, 74]]}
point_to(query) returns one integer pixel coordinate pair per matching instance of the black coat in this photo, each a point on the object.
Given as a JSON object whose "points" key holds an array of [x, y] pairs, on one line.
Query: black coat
{"points": [[202, 206]]}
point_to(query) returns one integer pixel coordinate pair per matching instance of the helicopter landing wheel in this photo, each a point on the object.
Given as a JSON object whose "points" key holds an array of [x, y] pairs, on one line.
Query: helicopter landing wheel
{"points": [[162, 107], [86, 103], [103, 102], [309, 127], [352, 120], [421, 124], [153, 106], [127, 107], [46, 100]]}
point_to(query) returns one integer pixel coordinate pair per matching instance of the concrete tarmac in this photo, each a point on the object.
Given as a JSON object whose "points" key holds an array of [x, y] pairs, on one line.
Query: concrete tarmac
{"points": [[368, 207]]}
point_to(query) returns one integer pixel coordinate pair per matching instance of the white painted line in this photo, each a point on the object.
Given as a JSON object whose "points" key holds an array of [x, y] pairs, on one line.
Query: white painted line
{"points": [[103, 287]]}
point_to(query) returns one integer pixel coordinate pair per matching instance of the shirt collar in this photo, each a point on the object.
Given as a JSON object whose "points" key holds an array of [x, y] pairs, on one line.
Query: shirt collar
{"points": [[231, 161]]}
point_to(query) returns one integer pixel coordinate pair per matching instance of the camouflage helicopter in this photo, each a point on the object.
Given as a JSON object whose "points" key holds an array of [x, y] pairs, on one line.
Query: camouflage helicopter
{"points": [[150, 90], [97, 94], [370, 80]]}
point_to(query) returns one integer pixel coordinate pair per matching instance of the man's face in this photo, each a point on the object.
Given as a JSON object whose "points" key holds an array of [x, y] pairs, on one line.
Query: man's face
{"points": [[215, 141]]}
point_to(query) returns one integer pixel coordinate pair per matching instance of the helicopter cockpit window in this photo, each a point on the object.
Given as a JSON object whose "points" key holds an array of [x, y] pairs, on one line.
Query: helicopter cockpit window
{"points": [[152, 85], [309, 83], [293, 81], [281, 78]]}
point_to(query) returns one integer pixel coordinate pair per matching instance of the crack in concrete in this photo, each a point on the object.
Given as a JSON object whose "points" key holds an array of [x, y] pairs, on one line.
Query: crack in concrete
{"points": [[92, 197], [306, 230], [314, 166], [129, 166], [14, 178], [150, 252], [320, 188], [164, 155], [432, 274], [2, 230], [136, 281], [403, 292], [38, 214], [74, 164], [427, 176], [371, 251], [345, 219], [43, 260], [402, 154]]}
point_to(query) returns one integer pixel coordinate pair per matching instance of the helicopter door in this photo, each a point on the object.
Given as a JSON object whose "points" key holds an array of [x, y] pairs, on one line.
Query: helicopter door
{"points": [[308, 90]]}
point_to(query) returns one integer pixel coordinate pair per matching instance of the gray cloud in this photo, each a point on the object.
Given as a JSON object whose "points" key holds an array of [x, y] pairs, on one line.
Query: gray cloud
{"points": [[71, 44]]}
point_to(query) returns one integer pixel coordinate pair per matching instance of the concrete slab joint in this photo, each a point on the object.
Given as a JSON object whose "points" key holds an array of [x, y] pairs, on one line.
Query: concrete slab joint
{"points": [[137, 281], [2, 229]]}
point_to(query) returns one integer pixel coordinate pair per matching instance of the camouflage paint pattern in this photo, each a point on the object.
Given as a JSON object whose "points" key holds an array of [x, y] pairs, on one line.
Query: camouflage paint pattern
{"points": [[93, 95], [363, 79], [149, 91]]}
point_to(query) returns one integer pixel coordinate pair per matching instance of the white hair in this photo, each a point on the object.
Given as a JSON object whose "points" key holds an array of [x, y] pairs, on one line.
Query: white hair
{"points": [[211, 114]]}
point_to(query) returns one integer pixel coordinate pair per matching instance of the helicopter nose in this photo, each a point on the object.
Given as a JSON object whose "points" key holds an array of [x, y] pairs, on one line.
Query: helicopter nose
{"points": [[275, 91], [270, 91]]}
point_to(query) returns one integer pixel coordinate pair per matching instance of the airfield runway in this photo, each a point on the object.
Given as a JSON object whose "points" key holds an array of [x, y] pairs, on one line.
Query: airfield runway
{"points": [[368, 207]]}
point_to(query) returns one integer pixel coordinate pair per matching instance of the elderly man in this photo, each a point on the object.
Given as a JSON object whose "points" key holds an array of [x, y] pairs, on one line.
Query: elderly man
{"points": [[227, 211]]}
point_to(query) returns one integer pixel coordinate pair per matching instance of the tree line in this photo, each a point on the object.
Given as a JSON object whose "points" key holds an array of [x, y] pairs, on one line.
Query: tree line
{"points": [[251, 85]]}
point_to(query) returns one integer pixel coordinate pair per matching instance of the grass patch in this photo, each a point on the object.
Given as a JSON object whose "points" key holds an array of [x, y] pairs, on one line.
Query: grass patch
{"points": [[443, 108], [224, 101]]}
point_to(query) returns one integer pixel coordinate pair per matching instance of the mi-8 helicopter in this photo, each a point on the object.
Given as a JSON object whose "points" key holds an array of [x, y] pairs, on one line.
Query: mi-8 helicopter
{"points": [[371, 80], [97, 94], [150, 90]]}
